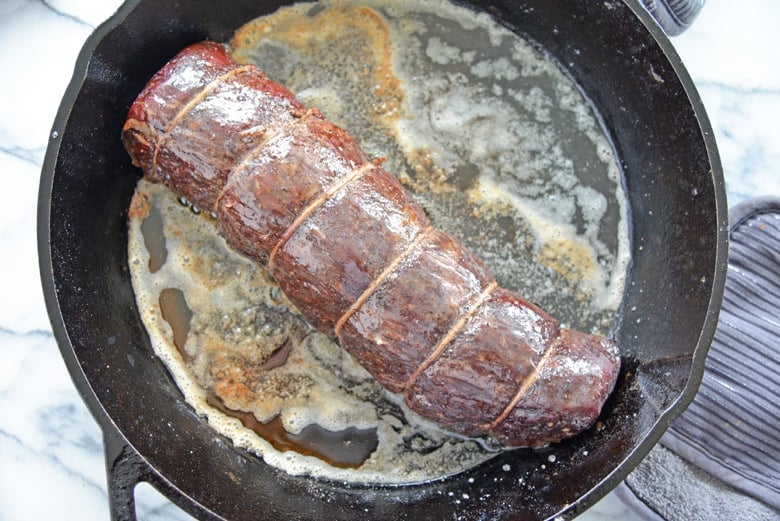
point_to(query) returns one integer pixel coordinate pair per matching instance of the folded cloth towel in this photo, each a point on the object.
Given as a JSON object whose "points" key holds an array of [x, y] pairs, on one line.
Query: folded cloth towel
{"points": [[674, 16], [721, 458]]}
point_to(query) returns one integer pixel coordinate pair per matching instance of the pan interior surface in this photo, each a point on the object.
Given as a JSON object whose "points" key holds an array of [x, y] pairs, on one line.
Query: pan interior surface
{"points": [[677, 212], [540, 201]]}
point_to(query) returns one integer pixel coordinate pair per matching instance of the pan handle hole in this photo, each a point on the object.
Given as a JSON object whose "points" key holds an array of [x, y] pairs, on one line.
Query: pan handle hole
{"points": [[151, 505]]}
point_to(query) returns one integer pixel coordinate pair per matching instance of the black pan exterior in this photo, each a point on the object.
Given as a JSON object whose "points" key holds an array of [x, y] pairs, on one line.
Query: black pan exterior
{"points": [[673, 179]]}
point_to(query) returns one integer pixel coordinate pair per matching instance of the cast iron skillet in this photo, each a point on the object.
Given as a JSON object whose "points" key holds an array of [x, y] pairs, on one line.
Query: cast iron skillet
{"points": [[673, 178]]}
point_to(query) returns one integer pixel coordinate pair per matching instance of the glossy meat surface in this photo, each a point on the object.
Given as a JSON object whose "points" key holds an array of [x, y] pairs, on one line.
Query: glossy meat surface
{"points": [[271, 186], [345, 244], [399, 325], [359, 258], [497, 350]]}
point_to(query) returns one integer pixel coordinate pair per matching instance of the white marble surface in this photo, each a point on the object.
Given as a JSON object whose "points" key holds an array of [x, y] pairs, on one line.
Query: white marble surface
{"points": [[51, 460]]}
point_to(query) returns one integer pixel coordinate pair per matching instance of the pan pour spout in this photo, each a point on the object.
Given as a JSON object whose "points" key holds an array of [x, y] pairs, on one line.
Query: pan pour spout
{"points": [[358, 256]]}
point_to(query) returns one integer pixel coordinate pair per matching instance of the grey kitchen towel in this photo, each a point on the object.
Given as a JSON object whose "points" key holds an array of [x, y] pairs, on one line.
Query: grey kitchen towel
{"points": [[674, 16], [721, 458]]}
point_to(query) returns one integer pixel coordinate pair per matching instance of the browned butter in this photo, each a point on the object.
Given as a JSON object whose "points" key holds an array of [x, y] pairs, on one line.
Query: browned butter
{"points": [[498, 146]]}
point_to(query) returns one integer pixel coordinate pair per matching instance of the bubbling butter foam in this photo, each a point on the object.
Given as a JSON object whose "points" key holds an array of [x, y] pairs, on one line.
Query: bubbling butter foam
{"points": [[494, 141]]}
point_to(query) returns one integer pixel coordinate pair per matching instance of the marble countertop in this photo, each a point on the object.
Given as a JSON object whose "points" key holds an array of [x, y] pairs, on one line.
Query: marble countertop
{"points": [[51, 456]]}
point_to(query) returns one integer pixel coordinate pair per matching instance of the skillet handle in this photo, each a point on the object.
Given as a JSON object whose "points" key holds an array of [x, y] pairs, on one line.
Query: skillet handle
{"points": [[674, 16], [126, 468]]}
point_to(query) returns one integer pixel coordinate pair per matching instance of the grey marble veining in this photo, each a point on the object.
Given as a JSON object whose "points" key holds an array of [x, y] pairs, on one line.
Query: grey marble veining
{"points": [[51, 459]]}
